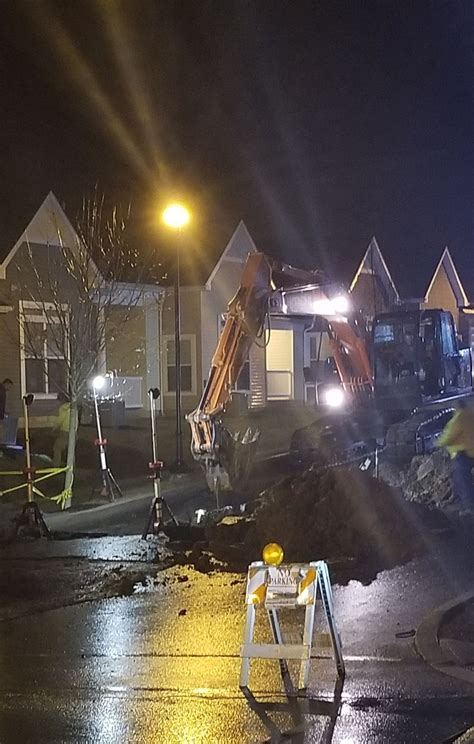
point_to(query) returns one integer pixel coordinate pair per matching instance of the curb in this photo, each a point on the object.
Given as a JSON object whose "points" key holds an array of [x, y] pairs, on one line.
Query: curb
{"points": [[428, 645], [141, 493], [173, 484]]}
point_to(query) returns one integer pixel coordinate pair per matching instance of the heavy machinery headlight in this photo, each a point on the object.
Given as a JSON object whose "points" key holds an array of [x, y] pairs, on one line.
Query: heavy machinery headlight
{"points": [[340, 304], [333, 397]]}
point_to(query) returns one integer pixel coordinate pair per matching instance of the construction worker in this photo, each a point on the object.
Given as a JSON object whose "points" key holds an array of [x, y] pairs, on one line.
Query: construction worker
{"points": [[61, 430], [458, 438]]}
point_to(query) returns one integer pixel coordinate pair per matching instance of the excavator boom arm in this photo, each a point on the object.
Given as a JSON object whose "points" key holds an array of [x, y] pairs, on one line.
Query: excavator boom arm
{"points": [[267, 286]]}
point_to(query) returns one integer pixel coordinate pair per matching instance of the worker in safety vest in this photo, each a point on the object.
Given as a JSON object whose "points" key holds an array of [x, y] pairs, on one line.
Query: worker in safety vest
{"points": [[61, 430], [458, 438]]}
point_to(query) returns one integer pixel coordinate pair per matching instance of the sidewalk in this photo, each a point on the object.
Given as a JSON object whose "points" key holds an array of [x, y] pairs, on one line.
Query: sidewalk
{"points": [[129, 451], [445, 638]]}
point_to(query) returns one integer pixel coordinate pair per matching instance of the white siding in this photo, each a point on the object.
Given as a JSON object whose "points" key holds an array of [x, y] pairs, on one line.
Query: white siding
{"points": [[258, 378]]}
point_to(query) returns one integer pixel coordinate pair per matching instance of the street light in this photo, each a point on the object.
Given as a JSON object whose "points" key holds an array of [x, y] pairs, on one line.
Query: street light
{"points": [[176, 217]]}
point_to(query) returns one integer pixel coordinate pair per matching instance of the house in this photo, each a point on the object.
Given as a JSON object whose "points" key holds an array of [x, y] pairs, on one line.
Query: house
{"points": [[445, 289], [17, 282], [35, 260], [141, 353], [274, 370], [372, 288]]}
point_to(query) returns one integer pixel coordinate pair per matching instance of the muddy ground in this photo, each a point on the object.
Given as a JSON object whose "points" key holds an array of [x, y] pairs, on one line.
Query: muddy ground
{"points": [[360, 525]]}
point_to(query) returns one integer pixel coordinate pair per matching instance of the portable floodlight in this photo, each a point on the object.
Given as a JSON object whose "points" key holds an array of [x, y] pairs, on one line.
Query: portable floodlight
{"points": [[110, 485]]}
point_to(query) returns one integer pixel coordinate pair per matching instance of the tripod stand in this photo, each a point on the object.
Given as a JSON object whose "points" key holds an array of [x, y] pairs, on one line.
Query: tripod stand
{"points": [[110, 487], [156, 522], [31, 519]]}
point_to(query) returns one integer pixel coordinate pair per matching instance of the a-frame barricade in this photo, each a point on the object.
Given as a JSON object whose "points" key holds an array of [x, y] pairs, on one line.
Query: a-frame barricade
{"points": [[289, 586]]}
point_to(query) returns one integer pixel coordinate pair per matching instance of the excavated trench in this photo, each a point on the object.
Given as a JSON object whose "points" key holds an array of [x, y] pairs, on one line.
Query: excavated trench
{"points": [[360, 524]]}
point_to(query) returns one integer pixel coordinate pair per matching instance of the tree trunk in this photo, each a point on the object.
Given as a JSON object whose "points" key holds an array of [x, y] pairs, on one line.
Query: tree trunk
{"points": [[71, 453]]}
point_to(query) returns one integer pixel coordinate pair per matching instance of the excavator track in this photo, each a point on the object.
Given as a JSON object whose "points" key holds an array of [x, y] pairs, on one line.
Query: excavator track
{"points": [[339, 442], [415, 435]]}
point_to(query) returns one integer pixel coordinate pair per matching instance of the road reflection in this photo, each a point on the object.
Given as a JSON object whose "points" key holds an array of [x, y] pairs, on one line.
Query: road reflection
{"points": [[299, 711]]}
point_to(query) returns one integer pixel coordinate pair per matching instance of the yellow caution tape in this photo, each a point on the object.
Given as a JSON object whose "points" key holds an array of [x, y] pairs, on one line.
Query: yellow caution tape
{"points": [[45, 473], [62, 498], [37, 470]]}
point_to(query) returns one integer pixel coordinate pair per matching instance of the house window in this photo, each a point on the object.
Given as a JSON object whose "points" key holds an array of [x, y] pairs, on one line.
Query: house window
{"points": [[43, 364], [188, 364]]}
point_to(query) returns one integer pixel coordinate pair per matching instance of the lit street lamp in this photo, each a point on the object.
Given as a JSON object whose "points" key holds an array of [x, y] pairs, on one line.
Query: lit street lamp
{"points": [[176, 217]]}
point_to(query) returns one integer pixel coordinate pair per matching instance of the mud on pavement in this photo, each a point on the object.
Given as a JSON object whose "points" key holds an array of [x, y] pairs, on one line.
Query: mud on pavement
{"points": [[38, 575], [360, 525]]}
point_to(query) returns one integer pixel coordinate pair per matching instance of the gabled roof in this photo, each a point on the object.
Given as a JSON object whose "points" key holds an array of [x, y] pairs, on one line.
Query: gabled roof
{"points": [[48, 226], [236, 250], [201, 256], [446, 264], [373, 264]]}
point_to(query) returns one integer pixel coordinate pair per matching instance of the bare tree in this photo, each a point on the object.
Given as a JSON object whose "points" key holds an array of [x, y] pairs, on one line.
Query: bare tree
{"points": [[78, 292]]}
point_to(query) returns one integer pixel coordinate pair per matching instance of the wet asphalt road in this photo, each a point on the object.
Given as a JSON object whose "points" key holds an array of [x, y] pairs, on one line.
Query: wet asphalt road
{"points": [[162, 666]]}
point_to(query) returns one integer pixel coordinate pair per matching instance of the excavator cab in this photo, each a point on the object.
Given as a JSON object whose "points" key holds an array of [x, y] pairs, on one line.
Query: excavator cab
{"points": [[417, 359]]}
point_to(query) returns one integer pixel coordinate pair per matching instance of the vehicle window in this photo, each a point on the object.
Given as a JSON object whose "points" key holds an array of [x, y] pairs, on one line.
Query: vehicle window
{"points": [[395, 349], [384, 333], [447, 335], [427, 335], [401, 335]]}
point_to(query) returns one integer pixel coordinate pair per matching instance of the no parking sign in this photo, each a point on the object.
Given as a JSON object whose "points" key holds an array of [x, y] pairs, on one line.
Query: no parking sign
{"points": [[288, 586]]}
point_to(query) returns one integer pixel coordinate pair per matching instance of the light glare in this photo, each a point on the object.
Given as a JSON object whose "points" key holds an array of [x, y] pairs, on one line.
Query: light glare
{"points": [[330, 307], [340, 304], [334, 397], [176, 216], [98, 382]]}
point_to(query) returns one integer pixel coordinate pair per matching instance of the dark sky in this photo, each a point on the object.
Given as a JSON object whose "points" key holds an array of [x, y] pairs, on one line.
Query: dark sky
{"points": [[318, 123]]}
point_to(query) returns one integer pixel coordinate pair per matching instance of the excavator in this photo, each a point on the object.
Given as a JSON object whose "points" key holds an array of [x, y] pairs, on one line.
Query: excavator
{"points": [[392, 386]]}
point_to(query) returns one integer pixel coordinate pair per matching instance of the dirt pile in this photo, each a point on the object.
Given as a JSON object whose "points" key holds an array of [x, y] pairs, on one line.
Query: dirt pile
{"points": [[426, 481], [333, 515]]}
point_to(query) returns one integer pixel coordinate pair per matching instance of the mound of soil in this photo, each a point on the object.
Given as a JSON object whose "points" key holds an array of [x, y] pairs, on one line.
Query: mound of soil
{"points": [[426, 481], [336, 514]]}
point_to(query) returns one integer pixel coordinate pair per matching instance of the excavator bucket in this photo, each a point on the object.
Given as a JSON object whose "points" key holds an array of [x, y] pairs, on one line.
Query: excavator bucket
{"points": [[237, 453]]}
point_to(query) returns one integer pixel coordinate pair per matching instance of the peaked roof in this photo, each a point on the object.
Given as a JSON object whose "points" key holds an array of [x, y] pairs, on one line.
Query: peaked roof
{"points": [[239, 246], [446, 263], [48, 226], [373, 264]]}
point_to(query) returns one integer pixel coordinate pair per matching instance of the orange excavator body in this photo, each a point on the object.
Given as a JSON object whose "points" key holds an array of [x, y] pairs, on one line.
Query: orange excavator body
{"points": [[269, 287]]}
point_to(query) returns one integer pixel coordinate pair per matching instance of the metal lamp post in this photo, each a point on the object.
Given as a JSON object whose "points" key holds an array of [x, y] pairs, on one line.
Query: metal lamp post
{"points": [[176, 216], [177, 352], [110, 485]]}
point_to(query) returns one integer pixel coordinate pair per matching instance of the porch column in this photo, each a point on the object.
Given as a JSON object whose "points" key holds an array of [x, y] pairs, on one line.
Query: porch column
{"points": [[153, 310]]}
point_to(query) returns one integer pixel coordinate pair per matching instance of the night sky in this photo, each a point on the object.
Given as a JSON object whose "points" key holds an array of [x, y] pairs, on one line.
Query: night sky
{"points": [[318, 123]]}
